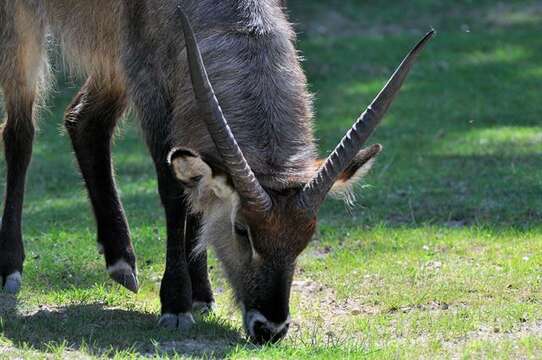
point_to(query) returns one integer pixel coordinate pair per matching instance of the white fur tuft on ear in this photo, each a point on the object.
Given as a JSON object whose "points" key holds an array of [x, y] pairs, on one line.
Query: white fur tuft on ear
{"points": [[343, 189]]}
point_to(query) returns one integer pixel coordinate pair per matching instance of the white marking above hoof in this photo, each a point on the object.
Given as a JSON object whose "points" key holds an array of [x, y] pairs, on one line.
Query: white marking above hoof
{"points": [[122, 273], [183, 321], [119, 266], [168, 321], [13, 283]]}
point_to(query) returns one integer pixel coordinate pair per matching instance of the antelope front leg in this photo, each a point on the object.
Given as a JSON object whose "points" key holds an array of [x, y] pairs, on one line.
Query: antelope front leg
{"points": [[18, 134], [176, 287], [154, 105], [90, 121]]}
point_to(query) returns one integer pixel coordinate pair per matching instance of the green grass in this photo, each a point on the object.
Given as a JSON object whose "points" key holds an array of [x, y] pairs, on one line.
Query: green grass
{"points": [[441, 256]]}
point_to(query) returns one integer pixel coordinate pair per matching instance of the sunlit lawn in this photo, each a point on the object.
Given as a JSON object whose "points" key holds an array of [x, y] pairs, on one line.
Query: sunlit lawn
{"points": [[440, 257]]}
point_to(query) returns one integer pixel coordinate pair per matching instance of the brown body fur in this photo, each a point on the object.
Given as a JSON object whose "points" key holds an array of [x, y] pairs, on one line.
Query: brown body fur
{"points": [[249, 54]]}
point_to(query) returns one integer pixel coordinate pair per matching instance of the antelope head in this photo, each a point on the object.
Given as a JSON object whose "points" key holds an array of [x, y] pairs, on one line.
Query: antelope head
{"points": [[258, 233]]}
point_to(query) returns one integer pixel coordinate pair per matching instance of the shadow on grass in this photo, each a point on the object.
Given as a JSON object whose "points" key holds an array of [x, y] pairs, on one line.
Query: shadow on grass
{"points": [[97, 330]]}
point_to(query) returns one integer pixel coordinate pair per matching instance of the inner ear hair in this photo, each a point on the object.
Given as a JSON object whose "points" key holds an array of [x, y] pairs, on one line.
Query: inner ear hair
{"points": [[362, 158], [358, 168]]}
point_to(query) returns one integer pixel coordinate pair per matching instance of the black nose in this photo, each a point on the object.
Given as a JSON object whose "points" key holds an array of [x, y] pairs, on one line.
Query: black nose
{"points": [[263, 334]]}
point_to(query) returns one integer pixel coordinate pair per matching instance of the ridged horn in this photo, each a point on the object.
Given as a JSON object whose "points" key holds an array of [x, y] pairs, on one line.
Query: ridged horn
{"points": [[244, 180], [315, 191]]}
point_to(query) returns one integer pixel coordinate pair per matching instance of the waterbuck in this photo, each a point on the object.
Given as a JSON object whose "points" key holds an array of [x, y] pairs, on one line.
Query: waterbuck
{"points": [[236, 160]]}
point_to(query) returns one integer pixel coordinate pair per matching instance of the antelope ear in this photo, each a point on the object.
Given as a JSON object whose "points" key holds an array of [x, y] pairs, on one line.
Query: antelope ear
{"points": [[192, 171], [188, 166], [358, 168]]}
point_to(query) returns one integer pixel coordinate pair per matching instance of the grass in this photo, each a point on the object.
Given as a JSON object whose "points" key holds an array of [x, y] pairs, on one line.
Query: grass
{"points": [[441, 256]]}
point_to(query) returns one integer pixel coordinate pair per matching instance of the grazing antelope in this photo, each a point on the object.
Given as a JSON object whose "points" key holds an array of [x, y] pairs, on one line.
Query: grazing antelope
{"points": [[235, 160]]}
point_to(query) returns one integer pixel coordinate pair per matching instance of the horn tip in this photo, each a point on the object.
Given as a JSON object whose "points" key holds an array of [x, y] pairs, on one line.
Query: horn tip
{"points": [[429, 35], [421, 44]]}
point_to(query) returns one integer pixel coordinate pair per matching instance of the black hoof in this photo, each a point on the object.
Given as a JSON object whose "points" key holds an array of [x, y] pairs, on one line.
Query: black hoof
{"points": [[183, 322], [123, 274]]}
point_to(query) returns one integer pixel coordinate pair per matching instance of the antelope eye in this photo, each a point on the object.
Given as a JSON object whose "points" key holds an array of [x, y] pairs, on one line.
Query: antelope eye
{"points": [[241, 230]]}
